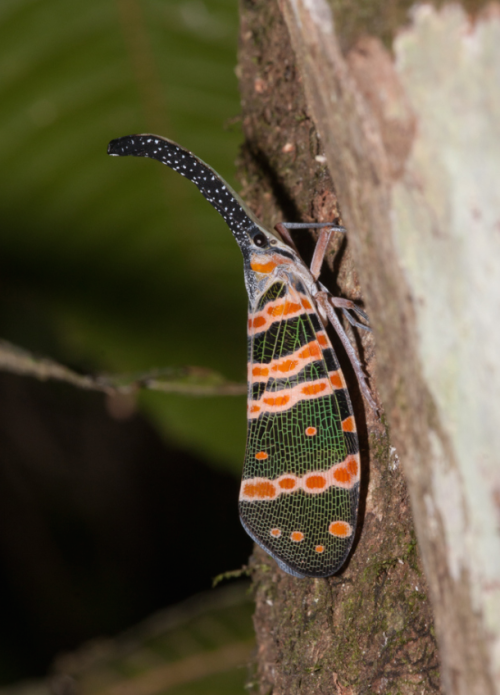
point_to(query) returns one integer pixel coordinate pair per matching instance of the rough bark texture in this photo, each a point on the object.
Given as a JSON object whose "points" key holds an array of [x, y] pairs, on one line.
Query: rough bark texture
{"points": [[370, 629], [409, 123]]}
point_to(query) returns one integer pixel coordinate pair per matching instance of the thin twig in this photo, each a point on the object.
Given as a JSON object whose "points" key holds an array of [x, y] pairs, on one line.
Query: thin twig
{"points": [[190, 381]]}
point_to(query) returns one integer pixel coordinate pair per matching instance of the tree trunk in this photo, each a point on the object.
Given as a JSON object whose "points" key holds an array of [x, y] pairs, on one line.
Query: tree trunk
{"points": [[408, 122]]}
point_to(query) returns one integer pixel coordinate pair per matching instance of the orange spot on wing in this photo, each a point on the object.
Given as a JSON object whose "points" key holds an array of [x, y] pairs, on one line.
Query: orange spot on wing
{"points": [[311, 431], [285, 366], [352, 466], [341, 529], [287, 483], [313, 389], [262, 267], [342, 475], [280, 400], [260, 371], [260, 490], [275, 532], [257, 322], [254, 409], [315, 482], [348, 425], [319, 548], [261, 456], [336, 380], [297, 536], [285, 308], [322, 339], [291, 308], [311, 350], [306, 304], [275, 310]]}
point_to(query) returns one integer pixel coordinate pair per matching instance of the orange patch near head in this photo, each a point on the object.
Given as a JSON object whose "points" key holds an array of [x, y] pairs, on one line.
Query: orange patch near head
{"points": [[341, 529], [275, 532], [336, 380], [261, 456], [262, 267], [285, 366], [311, 350], [259, 490], [287, 483], [311, 431], [322, 339], [312, 389], [319, 548], [257, 322], [306, 304], [342, 475], [297, 536], [348, 425], [315, 482], [280, 400]]}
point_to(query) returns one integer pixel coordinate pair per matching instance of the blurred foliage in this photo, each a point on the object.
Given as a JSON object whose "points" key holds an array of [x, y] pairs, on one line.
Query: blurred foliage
{"points": [[121, 265], [201, 646], [101, 522]]}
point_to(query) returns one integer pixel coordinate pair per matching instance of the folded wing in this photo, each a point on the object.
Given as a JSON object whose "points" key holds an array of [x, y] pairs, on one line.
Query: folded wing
{"points": [[300, 486]]}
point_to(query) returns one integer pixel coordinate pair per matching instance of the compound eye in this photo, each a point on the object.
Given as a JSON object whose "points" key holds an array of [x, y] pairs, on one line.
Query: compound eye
{"points": [[260, 239]]}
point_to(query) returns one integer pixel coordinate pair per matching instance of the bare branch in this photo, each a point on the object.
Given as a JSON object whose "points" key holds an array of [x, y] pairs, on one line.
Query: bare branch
{"points": [[190, 381]]}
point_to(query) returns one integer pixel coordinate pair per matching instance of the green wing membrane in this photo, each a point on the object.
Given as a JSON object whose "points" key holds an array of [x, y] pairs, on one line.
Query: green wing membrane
{"points": [[300, 486]]}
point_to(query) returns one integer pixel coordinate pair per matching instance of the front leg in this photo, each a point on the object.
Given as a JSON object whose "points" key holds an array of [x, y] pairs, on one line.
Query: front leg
{"points": [[321, 245], [324, 301]]}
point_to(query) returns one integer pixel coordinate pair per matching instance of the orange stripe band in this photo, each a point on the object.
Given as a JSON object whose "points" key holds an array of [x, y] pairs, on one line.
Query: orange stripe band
{"points": [[344, 474]]}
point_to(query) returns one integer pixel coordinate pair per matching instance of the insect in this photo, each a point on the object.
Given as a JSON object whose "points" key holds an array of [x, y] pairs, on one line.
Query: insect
{"points": [[300, 485]]}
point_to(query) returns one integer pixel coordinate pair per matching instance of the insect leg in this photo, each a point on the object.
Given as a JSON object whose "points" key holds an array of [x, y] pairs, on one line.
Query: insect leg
{"points": [[319, 252], [353, 321], [283, 227], [323, 300], [312, 225], [317, 262], [346, 305], [282, 230]]}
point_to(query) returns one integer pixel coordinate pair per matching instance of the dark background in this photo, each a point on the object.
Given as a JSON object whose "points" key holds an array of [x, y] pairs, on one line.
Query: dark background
{"points": [[114, 265]]}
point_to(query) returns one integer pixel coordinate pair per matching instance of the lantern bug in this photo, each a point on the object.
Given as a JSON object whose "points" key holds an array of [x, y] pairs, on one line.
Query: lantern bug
{"points": [[301, 475]]}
